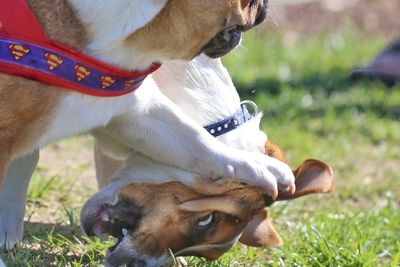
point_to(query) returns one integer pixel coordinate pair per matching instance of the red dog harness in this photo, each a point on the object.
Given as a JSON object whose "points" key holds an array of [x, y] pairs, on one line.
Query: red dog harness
{"points": [[26, 51]]}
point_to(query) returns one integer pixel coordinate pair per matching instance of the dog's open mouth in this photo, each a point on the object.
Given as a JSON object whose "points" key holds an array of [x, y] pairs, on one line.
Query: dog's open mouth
{"points": [[112, 219], [109, 223], [105, 225], [113, 222]]}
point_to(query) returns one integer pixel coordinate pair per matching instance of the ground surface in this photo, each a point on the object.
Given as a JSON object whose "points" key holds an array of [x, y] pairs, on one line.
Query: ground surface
{"points": [[296, 72]]}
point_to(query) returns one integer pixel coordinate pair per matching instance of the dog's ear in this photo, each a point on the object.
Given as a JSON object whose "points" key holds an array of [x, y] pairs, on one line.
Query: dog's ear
{"points": [[242, 202], [312, 176], [260, 232], [214, 203]]}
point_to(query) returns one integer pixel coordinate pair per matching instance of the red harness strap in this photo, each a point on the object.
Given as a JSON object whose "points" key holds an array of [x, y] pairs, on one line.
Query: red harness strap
{"points": [[26, 51], [17, 20]]}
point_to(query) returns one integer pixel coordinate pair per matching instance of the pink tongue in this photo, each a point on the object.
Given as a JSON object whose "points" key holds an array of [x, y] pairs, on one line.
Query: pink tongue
{"points": [[101, 225], [100, 229]]}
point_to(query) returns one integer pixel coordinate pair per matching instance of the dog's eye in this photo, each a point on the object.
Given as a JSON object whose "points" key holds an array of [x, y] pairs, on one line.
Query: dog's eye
{"points": [[206, 221]]}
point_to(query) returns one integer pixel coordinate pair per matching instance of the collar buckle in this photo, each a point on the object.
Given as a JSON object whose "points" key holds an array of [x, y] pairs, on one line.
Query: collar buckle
{"points": [[235, 120], [254, 107]]}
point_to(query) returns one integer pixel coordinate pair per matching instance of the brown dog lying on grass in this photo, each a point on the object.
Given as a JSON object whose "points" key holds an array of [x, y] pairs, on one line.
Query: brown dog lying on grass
{"points": [[156, 210]]}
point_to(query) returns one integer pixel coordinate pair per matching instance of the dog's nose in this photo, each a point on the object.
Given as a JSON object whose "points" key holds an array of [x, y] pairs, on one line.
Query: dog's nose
{"points": [[255, 3], [261, 12]]}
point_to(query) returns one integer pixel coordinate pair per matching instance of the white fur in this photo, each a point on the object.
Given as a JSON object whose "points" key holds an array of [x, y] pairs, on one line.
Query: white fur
{"points": [[110, 22], [78, 113], [12, 200], [202, 89], [205, 92]]}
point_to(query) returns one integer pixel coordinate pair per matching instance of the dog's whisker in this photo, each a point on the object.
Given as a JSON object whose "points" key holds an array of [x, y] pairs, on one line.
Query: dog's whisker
{"points": [[275, 22]]}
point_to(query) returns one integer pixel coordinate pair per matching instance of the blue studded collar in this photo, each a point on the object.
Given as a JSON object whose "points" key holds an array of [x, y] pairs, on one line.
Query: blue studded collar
{"points": [[233, 121]]}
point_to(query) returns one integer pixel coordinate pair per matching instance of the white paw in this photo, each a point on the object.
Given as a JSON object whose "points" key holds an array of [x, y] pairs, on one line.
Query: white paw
{"points": [[11, 229], [283, 174], [266, 172]]}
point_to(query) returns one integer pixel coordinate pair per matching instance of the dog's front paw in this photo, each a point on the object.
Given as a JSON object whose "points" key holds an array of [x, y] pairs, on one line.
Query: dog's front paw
{"points": [[11, 230], [266, 172]]}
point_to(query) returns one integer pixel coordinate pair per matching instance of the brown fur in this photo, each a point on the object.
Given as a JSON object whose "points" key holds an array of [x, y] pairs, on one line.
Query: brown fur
{"points": [[206, 19], [24, 116], [167, 220], [59, 22], [165, 225], [274, 151]]}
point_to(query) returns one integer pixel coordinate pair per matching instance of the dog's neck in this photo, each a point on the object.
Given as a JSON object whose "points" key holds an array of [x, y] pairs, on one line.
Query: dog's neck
{"points": [[204, 90], [109, 23]]}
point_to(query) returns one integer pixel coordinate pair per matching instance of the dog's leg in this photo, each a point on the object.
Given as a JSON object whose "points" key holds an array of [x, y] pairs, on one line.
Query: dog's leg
{"points": [[105, 165], [13, 199], [163, 132], [4, 163]]}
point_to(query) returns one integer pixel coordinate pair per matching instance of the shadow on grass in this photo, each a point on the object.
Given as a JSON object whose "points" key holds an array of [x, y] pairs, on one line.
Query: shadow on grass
{"points": [[324, 85], [332, 81]]}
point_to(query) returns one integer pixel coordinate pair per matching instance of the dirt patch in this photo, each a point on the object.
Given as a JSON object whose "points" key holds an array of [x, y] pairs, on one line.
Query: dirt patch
{"points": [[369, 16]]}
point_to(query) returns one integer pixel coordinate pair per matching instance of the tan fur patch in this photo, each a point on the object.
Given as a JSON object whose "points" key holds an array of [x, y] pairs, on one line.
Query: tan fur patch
{"points": [[164, 225], [163, 221], [273, 150], [25, 107], [59, 22], [184, 26]]}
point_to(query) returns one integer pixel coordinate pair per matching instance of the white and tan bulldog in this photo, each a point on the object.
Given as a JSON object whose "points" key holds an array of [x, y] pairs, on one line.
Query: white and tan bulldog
{"points": [[130, 34], [155, 209]]}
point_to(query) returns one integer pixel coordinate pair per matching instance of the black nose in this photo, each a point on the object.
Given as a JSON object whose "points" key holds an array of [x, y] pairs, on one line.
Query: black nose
{"points": [[261, 13]]}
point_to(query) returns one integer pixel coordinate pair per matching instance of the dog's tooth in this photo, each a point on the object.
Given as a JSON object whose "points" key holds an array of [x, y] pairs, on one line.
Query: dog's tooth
{"points": [[124, 231], [104, 217]]}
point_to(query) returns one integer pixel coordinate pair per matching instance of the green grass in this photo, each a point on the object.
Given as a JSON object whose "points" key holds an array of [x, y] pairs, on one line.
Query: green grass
{"points": [[311, 110]]}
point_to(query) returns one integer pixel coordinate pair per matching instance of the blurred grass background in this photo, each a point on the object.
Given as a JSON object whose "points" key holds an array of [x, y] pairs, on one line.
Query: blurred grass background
{"points": [[296, 68]]}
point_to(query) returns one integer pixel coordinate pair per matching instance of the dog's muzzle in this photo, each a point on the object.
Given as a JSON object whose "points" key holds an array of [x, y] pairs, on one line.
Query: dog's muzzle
{"points": [[227, 39]]}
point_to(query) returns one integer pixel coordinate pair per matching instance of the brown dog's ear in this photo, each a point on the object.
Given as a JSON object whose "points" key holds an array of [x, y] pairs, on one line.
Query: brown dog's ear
{"points": [[214, 203], [312, 176], [241, 202], [260, 232]]}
